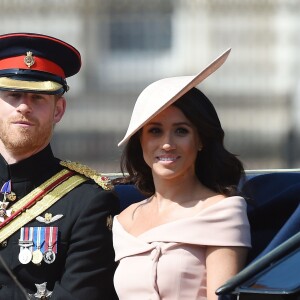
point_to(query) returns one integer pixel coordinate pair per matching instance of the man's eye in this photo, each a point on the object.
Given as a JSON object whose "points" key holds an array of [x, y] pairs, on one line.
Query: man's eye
{"points": [[14, 95], [37, 97]]}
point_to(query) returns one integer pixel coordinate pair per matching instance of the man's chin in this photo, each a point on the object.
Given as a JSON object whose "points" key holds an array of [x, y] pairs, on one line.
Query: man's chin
{"points": [[21, 145]]}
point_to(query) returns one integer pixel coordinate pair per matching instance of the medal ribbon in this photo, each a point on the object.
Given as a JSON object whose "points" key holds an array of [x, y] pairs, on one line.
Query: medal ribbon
{"points": [[54, 239], [30, 236], [26, 235], [38, 238], [47, 238], [22, 234], [22, 237], [51, 239], [6, 187]]}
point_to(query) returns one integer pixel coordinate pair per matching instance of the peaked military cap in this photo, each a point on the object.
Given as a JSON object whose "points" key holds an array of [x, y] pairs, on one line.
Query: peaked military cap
{"points": [[36, 63]]}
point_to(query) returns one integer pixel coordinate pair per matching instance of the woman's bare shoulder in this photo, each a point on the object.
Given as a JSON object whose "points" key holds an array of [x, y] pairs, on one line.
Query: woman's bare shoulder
{"points": [[126, 216], [213, 198]]}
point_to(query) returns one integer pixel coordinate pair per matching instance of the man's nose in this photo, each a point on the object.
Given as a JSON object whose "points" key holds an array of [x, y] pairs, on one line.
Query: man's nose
{"points": [[24, 105]]}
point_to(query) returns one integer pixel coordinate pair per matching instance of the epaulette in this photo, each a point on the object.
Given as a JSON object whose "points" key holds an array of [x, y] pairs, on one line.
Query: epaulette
{"points": [[101, 180]]}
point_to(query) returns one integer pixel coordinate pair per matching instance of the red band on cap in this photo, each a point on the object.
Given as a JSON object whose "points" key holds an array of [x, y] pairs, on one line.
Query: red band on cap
{"points": [[40, 64]]}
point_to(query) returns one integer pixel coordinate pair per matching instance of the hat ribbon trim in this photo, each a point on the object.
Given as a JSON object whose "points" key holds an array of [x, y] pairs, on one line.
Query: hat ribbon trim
{"points": [[40, 64]]}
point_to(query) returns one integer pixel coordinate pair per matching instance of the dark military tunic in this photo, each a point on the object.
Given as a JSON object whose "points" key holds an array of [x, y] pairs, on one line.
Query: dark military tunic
{"points": [[84, 264]]}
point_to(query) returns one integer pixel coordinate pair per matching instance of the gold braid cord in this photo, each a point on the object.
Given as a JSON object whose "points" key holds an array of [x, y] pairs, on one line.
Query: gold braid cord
{"points": [[40, 206], [101, 180], [22, 202]]}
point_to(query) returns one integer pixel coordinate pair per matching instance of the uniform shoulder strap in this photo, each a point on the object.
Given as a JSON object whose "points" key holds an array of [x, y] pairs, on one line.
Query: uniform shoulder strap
{"points": [[79, 168]]}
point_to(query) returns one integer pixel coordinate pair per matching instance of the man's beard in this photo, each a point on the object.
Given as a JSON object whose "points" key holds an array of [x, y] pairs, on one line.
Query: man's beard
{"points": [[22, 140]]}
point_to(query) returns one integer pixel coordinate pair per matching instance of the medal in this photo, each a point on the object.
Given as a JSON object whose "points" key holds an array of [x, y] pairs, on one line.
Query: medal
{"points": [[25, 243], [4, 213], [49, 256], [7, 192], [3, 206], [25, 256], [11, 196], [37, 255], [42, 292], [51, 241]]}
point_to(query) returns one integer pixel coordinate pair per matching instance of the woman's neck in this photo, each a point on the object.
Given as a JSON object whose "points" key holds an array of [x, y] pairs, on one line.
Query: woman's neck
{"points": [[178, 190]]}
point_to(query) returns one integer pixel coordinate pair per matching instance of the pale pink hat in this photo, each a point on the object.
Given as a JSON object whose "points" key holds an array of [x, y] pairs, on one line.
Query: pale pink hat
{"points": [[162, 93]]}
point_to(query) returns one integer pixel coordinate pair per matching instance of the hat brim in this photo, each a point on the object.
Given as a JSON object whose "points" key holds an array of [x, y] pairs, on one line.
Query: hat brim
{"points": [[163, 93], [43, 87]]}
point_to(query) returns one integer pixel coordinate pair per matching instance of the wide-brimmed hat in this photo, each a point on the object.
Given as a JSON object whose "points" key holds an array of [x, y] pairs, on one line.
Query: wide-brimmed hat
{"points": [[162, 93], [31, 62]]}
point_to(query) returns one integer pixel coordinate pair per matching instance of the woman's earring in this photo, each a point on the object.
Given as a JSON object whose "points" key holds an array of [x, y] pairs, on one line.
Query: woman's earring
{"points": [[200, 149]]}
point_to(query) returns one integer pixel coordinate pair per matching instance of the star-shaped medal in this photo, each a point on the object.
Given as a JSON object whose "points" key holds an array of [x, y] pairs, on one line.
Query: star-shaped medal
{"points": [[42, 292], [4, 213]]}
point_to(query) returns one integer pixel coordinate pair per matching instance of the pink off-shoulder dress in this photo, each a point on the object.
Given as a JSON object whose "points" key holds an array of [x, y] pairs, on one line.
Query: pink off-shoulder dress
{"points": [[168, 262]]}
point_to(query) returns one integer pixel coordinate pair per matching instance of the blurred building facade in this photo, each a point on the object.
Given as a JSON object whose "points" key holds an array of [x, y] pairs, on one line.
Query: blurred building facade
{"points": [[127, 44]]}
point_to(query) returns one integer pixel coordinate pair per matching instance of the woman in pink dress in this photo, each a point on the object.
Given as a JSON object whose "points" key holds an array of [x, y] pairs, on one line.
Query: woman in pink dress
{"points": [[191, 234]]}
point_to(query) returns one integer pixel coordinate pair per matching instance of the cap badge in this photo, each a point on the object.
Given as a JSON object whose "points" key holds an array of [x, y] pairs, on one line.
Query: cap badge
{"points": [[29, 60]]}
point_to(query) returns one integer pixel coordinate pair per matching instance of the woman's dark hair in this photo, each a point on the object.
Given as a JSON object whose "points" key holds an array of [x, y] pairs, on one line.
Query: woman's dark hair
{"points": [[216, 168]]}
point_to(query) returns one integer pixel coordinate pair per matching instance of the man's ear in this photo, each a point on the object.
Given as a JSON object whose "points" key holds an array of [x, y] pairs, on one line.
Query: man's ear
{"points": [[60, 108]]}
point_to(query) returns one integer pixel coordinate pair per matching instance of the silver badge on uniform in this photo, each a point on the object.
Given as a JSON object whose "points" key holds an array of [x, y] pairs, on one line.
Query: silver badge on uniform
{"points": [[41, 293], [25, 243], [51, 242]]}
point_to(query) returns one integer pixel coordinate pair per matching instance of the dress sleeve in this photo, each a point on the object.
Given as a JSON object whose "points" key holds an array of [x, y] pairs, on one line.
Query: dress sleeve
{"points": [[225, 223]]}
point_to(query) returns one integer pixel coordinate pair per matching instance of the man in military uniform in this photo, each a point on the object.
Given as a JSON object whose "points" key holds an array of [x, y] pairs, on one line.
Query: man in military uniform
{"points": [[55, 216]]}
